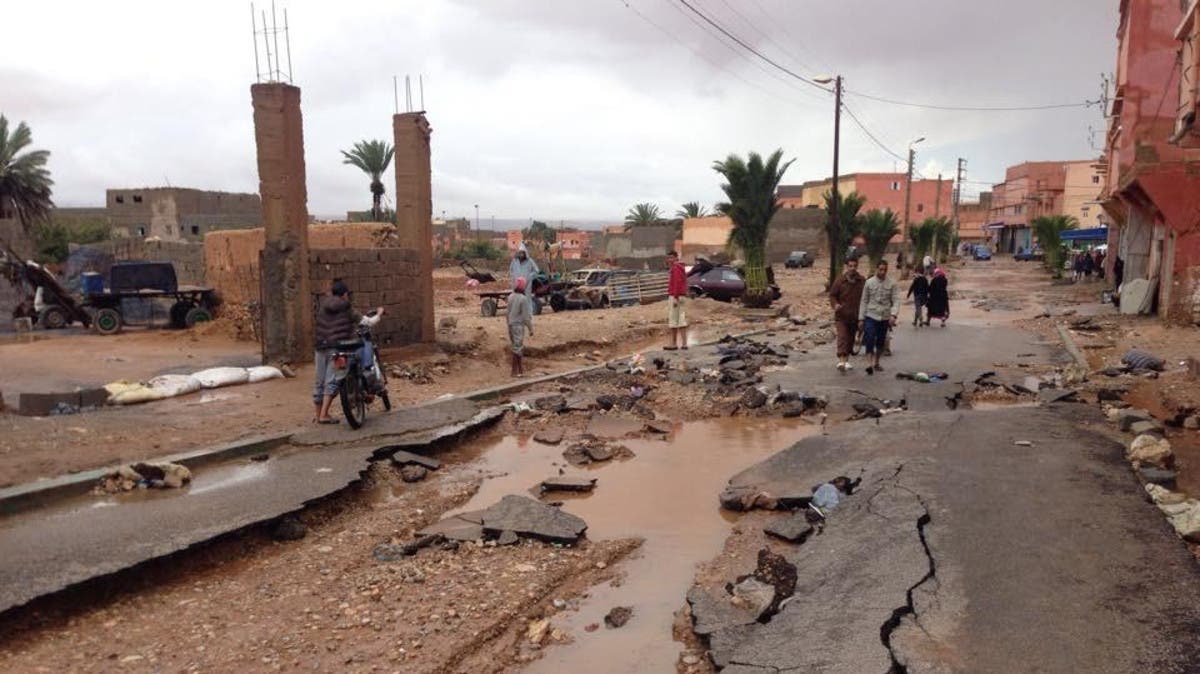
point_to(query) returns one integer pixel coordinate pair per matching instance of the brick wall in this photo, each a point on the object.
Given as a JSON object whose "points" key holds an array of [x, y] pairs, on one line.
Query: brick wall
{"points": [[187, 257], [387, 277]]}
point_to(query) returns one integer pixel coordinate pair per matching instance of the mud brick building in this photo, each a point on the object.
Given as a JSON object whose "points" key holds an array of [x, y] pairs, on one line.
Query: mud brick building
{"points": [[179, 213]]}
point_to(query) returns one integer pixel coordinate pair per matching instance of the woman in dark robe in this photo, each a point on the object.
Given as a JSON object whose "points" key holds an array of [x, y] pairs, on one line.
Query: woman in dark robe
{"points": [[938, 303]]}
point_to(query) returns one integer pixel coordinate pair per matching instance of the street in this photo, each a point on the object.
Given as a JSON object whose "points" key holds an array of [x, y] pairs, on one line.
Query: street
{"points": [[981, 525]]}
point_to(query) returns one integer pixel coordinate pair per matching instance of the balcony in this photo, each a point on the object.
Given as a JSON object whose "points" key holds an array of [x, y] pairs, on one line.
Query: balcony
{"points": [[1186, 132]]}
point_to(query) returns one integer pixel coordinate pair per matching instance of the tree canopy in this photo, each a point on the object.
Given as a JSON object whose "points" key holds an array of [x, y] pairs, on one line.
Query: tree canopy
{"points": [[691, 209], [877, 228], [25, 184], [539, 231], [373, 157], [644, 214], [839, 242], [1048, 229], [749, 187]]}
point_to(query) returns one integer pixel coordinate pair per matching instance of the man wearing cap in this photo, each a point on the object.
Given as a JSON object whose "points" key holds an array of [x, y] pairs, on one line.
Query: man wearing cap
{"points": [[335, 321], [520, 320]]}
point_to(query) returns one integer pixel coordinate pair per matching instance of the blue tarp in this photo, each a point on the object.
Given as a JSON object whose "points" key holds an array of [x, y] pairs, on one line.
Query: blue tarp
{"points": [[1093, 234]]}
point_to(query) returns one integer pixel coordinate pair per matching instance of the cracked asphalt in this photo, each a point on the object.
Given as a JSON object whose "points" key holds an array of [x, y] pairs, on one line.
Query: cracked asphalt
{"points": [[961, 551]]}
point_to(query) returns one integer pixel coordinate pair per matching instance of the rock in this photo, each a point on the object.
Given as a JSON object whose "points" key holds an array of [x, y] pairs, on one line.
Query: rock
{"points": [[683, 377], [606, 402], [554, 402], [1149, 449], [289, 528], [1192, 423], [550, 436], [568, 483], [1185, 517], [690, 659], [402, 458], [754, 595], [776, 571], [753, 398], [618, 616], [600, 452], [1127, 417], [447, 323], [1110, 394], [746, 498], [660, 427], [1159, 476], [793, 528], [413, 473], [710, 615], [734, 364], [1147, 426], [1162, 496], [507, 538], [536, 632], [1055, 395], [580, 404], [613, 426], [466, 526], [529, 518]]}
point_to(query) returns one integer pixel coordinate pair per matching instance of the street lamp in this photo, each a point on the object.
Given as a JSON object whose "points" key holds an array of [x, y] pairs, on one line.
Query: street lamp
{"points": [[476, 222], [835, 231]]}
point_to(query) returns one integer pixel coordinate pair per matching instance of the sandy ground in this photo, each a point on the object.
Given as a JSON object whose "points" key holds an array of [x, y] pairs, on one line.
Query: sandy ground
{"points": [[471, 353]]}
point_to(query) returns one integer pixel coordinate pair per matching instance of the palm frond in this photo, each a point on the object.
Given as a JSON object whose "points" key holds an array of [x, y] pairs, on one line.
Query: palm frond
{"points": [[25, 183]]}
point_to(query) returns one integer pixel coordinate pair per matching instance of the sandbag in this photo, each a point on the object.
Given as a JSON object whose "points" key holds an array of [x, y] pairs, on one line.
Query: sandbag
{"points": [[139, 393], [175, 384], [263, 373], [215, 377]]}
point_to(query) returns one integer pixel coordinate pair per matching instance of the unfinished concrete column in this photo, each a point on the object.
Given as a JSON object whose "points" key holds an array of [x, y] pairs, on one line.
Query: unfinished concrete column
{"points": [[414, 206], [287, 303]]}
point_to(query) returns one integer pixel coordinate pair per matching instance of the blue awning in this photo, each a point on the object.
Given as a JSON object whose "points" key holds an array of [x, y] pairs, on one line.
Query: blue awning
{"points": [[1093, 234]]}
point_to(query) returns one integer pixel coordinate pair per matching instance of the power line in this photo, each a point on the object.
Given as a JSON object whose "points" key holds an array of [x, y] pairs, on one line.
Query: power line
{"points": [[972, 108], [870, 135], [754, 27]]}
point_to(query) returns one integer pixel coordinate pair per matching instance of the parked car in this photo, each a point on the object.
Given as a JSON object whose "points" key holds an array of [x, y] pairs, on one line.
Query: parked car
{"points": [[981, 252], [722, 283], [1034, 254], [798, 258]]}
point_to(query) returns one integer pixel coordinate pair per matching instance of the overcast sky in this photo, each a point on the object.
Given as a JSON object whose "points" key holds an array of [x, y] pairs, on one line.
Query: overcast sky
{"points": [[551, 109]]}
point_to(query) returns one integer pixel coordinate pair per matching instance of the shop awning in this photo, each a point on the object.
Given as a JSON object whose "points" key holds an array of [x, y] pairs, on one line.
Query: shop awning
{"points": [[1093, 234]]}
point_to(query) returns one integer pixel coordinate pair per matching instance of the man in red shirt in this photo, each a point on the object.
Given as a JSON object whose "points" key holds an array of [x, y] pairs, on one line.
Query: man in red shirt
{"points": [[676, 292]]}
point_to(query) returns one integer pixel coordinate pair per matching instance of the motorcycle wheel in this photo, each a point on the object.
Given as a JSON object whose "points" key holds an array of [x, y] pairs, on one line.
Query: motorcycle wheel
{"points": [[354, 400]]}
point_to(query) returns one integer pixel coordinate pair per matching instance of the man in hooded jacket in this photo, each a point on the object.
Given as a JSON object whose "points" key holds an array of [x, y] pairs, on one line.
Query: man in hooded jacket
{"points": [[522, 266]]}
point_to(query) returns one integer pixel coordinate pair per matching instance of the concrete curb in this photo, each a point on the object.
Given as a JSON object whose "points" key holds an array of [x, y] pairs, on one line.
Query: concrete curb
{"points": [[33, 494]]}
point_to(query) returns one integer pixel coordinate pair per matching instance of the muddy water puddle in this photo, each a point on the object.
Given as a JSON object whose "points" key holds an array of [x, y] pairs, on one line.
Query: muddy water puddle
{"points": [[666, 495]]}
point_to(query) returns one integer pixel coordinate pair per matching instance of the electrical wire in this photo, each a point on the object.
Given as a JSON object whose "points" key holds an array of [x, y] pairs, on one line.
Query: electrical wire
{"points": [[970, 108], [870, 135]]}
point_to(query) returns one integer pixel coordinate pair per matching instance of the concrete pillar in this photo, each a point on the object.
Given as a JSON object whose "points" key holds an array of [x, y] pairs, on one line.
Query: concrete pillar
{"points": [[287, 303], [414, 206]]}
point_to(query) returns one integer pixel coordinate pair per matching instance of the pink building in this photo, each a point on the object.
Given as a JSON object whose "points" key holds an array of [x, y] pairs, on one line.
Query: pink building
{"points": [[513, 239], [576, 244]]}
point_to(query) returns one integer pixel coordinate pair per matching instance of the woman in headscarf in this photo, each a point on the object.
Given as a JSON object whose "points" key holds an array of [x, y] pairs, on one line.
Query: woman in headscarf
{"points": [[939, 297]]}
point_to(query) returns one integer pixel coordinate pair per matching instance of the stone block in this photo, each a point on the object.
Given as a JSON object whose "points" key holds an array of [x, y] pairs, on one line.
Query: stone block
{"points": [[41, 404], [93, 397]]}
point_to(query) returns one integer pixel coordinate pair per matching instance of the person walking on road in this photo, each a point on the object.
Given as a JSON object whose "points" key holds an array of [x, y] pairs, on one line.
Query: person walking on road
{"points": [[918, 290], [676, 295], [335, 323], [938, 304], [522, 266], [877, 312], [520, 323], [844, 297]]}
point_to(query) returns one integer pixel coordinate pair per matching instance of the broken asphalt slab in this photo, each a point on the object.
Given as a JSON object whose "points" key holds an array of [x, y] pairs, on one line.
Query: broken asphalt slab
{"points": [[77, 539], [532, 519], [960, 551]]}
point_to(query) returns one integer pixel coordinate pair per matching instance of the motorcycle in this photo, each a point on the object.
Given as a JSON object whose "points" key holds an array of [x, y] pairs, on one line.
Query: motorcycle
{"points": [[359, 384]]}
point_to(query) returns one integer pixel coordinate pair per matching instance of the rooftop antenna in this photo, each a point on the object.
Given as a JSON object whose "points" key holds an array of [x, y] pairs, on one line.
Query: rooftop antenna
{"points": [[270, 30], [407, 93], [395, 96], [421, 81]]}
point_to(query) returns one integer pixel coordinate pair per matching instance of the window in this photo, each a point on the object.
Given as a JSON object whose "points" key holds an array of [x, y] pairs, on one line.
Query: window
{"points": [[195, 230], [137, 198], [141, 231], [920, 208], [120, 199], [895, 185], [1095, 180]]}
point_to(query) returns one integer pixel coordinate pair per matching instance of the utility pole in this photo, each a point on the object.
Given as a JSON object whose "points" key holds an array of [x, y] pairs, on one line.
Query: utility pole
{"points": [[835, 232], [476, 222], [962, 172], [912, 155], [937, 199]]}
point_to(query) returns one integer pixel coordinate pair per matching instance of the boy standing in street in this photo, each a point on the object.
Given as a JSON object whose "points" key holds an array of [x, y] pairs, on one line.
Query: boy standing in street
{"points": [[520, 321], [877, 313], [844, 297], [676, 292]]}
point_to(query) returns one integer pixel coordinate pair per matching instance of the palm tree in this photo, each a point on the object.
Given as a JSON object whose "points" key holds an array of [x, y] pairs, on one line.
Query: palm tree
{"points": [[643, 215], [1048, 229], [850, 221], [942, 237], [691, 209], [750, 187], [24, 180], [373, 157], [878, 228]]}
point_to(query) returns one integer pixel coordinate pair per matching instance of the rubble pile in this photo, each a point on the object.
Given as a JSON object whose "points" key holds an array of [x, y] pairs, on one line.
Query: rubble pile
{"points": [[144, 476]]}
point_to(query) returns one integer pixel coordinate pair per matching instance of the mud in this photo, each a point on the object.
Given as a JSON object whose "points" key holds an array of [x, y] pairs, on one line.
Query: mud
{"points": [[666, 496]]}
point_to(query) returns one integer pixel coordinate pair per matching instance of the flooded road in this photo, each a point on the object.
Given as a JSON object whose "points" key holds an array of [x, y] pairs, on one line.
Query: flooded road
{"points": [[666, 495]]}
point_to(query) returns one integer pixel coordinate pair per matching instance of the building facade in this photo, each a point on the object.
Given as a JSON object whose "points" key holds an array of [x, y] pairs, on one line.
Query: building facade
{"points": [[973, 219], [1152, 157], [1042, 188], [930, 197], [575, 244], [178, 213]]}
